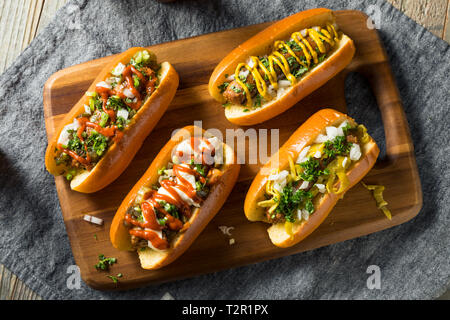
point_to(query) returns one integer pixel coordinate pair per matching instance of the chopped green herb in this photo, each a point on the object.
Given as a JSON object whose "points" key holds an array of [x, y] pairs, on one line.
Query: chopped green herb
{"points": [[103, 119], [104, 263], [223, 86]]}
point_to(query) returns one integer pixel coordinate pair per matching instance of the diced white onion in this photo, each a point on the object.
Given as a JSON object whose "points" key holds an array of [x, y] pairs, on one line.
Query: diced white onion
{"points": [[344, 162], [316, 28], [118, 69], [302, 156], [299, 215], [304, 32], [343, 124], [87, 109], [231, 78], [284, 83], [93, 220], [244, 73], [123, 113], [175, 159], [279, 176], [250, 63], [271, 90], [104, 85], [127, 92], [318, 154], [305, 215], [64, 136], [304, 185], [112, 80], [355, 152], [332, 132], [321, 187], [280, 92], [321, 138]]}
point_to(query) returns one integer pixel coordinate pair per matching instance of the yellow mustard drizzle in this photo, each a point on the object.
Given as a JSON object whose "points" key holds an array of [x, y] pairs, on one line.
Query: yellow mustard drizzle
{"points": [[328, 35], [378, 195]]}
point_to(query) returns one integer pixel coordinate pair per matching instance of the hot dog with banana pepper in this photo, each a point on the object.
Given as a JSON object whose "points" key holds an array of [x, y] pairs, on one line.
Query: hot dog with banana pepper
{"points": [[279, 66], [184, 187], [99, 137], [297, 189]]}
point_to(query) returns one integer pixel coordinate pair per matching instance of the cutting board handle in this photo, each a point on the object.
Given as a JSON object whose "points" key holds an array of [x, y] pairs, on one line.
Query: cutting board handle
{"points": [[396, 129]]}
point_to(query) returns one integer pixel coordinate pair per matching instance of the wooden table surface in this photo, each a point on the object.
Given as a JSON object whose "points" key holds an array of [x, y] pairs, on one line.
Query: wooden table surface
{"points": [[22, 20]]}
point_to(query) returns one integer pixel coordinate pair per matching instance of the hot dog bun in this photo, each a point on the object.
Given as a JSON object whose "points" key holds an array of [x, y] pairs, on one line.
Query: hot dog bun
{"points": [[261, 44], [302, 137], [152, 259], [119, 154]]}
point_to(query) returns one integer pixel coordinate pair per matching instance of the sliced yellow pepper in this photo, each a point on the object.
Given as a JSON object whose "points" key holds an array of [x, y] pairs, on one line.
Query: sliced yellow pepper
{"points": [[378, 195]]}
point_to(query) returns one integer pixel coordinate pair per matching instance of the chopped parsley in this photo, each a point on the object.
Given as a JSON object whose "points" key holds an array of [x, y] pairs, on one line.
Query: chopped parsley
{"points": [[338, 146], [311, 170], [223, 86], [104, 263], [235, 89], [291, 200]]}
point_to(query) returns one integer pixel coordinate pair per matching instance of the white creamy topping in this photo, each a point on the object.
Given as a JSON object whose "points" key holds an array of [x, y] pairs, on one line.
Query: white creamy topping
{"points": [[188, 177], [159, 233]]}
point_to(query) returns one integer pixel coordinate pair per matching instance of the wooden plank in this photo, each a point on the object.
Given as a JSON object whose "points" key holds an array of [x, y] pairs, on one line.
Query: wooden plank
{"points": [[397, 3], [18, 23], [211, 252], [446, 35], [430, 14], [48, 12]]}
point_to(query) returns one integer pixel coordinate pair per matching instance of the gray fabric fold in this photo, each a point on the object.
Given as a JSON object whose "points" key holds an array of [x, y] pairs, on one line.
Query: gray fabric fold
{"points": [[413, 257]]}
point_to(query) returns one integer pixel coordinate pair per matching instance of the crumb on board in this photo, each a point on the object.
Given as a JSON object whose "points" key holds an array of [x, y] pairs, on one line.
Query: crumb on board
{"points": [[226, 230], [232, 241]]}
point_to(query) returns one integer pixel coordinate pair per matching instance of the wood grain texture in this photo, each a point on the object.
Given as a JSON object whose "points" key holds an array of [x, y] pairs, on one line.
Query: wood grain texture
{"points": [[211, 251], [430, 14], [446, 36], [48, 9]]}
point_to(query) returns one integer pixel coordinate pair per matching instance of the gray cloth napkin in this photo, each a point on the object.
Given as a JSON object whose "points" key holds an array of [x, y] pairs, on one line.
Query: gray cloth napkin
{"points": [[413, 257]]}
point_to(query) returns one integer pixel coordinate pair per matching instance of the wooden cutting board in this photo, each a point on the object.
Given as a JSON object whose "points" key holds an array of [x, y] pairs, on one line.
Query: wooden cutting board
{"points": [[194, 59]]}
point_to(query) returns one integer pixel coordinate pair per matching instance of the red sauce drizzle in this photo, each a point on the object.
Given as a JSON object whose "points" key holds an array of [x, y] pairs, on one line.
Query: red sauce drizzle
{"points": [[152, 198], [105, 93]]}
